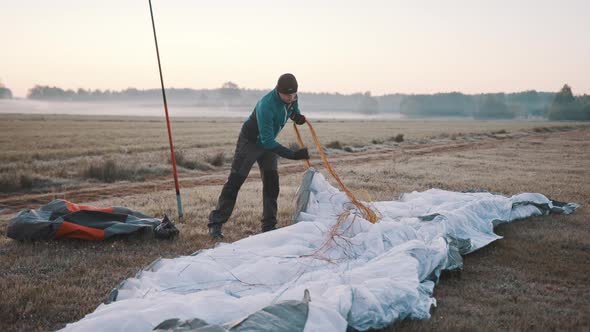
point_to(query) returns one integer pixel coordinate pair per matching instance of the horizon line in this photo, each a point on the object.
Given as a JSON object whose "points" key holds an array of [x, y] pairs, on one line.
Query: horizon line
{"points": [[308, 92]]}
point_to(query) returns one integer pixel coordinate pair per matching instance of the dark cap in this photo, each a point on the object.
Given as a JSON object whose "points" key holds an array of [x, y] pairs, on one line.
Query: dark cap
{"points": [[287, 84]]}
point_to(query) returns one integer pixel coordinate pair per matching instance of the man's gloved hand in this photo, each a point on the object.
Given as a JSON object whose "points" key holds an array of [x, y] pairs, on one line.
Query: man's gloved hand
{"points": [[298, 118], [301, 154]]}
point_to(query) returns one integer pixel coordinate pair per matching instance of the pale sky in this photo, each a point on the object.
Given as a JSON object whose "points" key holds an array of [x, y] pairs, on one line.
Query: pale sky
{"points": [[331, 46]]}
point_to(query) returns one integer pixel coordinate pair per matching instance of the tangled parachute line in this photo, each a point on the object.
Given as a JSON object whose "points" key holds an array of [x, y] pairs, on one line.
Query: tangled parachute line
{"points": [[367, 212]]}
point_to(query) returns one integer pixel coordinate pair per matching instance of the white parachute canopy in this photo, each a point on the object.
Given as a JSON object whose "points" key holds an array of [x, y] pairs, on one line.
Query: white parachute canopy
{"points": [[355, 273]]}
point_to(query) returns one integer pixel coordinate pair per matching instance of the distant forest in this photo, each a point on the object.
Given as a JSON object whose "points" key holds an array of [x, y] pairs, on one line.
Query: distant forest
{"points": [[5, 92], [527, 104]]}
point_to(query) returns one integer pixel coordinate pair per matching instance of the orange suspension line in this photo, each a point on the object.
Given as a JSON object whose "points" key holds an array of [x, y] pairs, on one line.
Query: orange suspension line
{"points": [[368, 214]]}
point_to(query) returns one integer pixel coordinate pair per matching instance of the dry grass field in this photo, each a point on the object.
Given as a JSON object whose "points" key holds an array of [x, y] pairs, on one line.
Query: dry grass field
{"points": [[536, 278]]}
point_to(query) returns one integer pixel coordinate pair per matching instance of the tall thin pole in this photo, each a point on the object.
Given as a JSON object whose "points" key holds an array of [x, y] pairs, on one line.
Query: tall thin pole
{"points": [[180, 214]]}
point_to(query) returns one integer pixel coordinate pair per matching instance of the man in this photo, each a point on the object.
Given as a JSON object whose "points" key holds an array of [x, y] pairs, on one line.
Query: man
{"points": [[257, 143]]}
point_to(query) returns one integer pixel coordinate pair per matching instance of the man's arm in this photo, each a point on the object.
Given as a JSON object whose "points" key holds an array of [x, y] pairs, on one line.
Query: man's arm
{"points": [[267, 139], [290, 154], [265, 129]]}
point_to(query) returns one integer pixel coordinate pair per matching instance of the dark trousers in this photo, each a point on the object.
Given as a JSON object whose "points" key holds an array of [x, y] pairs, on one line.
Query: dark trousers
{"points": [[247, 153]]}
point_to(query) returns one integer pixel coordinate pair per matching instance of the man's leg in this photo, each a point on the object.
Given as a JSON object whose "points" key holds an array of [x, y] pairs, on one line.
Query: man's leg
{"points": [[270, 189], [244, 157], [227, 199]]}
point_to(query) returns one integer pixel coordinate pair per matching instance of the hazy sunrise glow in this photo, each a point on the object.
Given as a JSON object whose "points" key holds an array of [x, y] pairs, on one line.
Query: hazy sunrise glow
{"points": [[332, 46]]}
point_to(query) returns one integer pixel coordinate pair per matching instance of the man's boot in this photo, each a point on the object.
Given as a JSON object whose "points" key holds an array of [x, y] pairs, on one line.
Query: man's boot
{"points": [[215, 231], [266, 227]]}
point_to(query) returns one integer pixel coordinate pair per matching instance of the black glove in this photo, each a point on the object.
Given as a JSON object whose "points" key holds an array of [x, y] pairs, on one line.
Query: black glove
{"points": [[298, 118], [301, 153]]}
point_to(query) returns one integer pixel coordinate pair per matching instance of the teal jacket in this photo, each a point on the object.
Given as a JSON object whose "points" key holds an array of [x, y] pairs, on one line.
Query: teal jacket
{"points": [[271, 115]]}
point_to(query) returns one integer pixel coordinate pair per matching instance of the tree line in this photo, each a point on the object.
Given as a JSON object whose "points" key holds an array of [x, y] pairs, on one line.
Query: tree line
{"points": [[567, 107], [229, 94], [527, 104], [524, 104], [5, 92]]}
